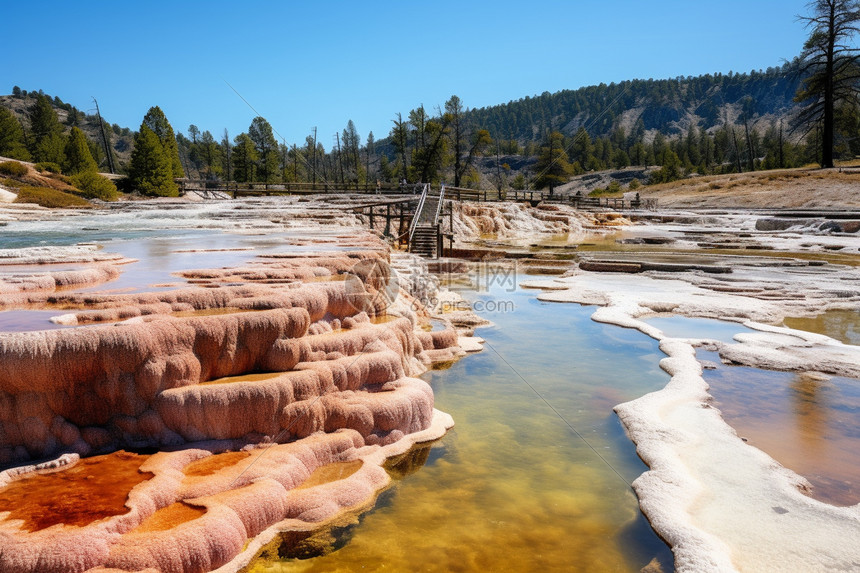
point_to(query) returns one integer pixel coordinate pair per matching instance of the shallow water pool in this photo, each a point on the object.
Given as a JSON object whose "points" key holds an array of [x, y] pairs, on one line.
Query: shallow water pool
{"points": [[535, 474], [808, 423]]}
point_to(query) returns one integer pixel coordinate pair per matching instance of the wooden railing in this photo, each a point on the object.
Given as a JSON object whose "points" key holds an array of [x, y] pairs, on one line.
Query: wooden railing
{"points": [[235, 189], [462, 194], [214, 189]]}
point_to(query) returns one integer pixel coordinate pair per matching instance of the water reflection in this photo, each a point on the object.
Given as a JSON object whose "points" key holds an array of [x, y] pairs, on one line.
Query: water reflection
{"points": [[684, 327], [807, 422], [843, 325], [28, 320], [512, 487]]}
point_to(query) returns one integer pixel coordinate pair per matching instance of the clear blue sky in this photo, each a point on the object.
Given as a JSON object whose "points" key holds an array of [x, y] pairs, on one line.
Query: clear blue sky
{"points": [[321, 63]]}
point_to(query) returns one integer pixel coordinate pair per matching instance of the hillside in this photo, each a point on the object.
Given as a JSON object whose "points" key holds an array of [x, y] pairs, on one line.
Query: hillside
{"points": [[669, 106], [119, 139], [785, 188]]}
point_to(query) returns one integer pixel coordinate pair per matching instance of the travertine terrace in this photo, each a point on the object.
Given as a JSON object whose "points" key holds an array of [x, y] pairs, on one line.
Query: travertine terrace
{"points": [[271, 394]]}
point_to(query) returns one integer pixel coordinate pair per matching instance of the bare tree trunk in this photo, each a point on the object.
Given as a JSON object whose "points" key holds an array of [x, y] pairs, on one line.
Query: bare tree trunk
{"points": [[750, 154]]}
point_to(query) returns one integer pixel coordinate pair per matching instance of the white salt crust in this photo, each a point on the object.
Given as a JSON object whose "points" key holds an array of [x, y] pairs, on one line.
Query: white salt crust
{"points": [[721, 504]]}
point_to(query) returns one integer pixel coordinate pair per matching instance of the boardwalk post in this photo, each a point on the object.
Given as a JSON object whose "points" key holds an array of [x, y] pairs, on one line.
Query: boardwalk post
{"points": [[402, 221], [388, 219]]}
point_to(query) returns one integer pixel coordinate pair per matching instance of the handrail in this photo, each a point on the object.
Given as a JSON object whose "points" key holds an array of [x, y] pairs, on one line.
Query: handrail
{"points": [[439, 205], [414, 224]]}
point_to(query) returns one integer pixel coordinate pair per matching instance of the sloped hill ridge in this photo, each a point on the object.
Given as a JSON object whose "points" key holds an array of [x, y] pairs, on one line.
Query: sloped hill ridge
{"points": [[669, 106], [119, 138]]}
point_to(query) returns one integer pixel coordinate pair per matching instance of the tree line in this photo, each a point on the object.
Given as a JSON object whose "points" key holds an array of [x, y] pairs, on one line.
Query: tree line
{"points": [[802, 112], [53, 149]]}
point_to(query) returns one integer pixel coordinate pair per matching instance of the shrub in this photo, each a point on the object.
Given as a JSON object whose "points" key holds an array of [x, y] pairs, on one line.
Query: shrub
{"points": [[13, 169], [634, 185], [11, 183], [60, 177], [47, 197], [48, 166], [519, 182], [91, 184]]}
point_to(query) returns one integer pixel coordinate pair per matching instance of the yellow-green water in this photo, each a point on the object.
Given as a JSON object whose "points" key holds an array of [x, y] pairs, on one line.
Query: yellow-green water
{"points": [[514, 487], [843, 325]]}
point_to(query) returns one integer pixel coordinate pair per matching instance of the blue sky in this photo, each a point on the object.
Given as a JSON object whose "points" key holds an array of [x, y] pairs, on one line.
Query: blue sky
{"points": [[306, 64]]}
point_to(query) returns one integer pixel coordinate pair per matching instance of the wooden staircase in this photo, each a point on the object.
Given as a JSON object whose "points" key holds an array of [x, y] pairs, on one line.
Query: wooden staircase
{"points": [[424, 232], [424, 241]]}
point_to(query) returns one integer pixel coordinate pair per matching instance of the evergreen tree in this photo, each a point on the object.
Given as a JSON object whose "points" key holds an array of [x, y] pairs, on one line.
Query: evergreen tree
{"points": [[210, 154], [429, 151], [43, 119], [465, 144], [157, 122], [78, 157], [47, 139], [227, 155], [51, 149], [151, 170], [370, 153], [620, 159], [400, 140], [244, 158], [457, 134], [351, 144], [671, 169], [12, 137], [260, 134], [829, 63], [552, 166], [582, 150]]}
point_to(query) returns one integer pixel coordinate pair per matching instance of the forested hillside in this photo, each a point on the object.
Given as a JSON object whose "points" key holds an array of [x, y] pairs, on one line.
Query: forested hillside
{"points": [[715, 123], [667, 106], [119, 139]]}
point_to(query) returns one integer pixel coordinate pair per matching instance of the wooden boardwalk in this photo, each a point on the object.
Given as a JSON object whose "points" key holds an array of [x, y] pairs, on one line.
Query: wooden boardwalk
{"points": [[221, 190], [235, 190]]}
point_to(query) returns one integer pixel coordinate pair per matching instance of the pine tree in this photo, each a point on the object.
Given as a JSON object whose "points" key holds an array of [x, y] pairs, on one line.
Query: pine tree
{"points": [[43, 119], [400, 140], [151, 170], [671, 169], [244, 158], [370, 152], [12, 137], [260, 134], [352, 162], [582, 150], [227, 155], [77, 154], [51, 149], [552, 166], [457, 135], [830, 63], [47, 133], [157, 122], [210, 154]]}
